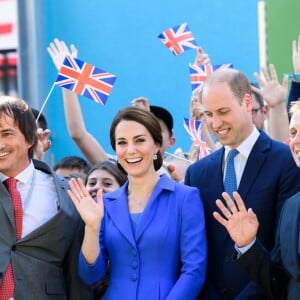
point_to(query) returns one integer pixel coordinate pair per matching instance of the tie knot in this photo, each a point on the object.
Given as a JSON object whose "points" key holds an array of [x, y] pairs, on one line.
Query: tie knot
{"points": [[10, 183], [231, 155]]}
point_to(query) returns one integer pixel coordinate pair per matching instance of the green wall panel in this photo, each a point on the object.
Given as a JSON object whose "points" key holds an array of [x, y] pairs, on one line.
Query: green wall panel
{"points": [[282, 26]]}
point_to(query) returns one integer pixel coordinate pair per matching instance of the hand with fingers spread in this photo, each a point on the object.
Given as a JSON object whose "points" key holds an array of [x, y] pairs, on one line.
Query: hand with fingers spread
{"points": [[296, 55], [241, 224], [271, 90], [201, 58], [58, 50], [43, 138], [90, 210], [196, 108]]}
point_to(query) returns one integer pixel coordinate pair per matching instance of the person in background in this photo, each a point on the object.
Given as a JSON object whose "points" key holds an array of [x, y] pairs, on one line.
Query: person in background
{"points": [[279, 274], [227, 103], [294, 93], [44, 143], [107, 177], [139, 223], [275, 95], [72, 166], [88, 145], [259, 109], [177, 164], [41, 231]]}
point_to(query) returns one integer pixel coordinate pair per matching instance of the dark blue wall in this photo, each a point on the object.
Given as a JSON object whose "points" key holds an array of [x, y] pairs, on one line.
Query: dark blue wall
{"points": [[121, 37]]}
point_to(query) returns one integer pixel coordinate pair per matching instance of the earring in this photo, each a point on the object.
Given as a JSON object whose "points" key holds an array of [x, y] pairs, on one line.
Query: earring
{"points": [[155, 156]]}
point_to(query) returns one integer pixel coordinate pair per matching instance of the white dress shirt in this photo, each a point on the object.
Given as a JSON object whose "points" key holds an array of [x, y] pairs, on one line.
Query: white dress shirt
{"points": [[39, 198], [241, 158]]}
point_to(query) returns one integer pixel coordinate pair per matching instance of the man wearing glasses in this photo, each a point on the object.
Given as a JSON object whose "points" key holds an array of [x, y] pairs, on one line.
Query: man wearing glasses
{"points": [[259, 110]]}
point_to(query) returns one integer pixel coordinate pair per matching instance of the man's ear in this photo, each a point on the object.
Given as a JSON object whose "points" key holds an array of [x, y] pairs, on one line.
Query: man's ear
{"points": [[247, 102]]}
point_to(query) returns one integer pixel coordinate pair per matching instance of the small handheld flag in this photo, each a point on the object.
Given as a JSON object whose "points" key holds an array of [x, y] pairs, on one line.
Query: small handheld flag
{"points": [[193, 128], [199, 73], [178, 39], [85, 79]]}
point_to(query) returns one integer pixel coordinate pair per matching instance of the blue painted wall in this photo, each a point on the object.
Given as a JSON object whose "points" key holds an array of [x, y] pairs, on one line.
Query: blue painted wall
{"points": [[121, 37]]}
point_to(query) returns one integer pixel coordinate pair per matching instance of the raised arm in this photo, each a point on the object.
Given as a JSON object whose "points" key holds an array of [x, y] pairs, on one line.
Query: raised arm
{"points": [[275, 95], [87, 144]]}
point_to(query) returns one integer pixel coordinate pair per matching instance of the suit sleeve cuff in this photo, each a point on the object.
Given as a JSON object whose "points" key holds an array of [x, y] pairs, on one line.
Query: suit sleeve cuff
{"points": [[244, 249]]}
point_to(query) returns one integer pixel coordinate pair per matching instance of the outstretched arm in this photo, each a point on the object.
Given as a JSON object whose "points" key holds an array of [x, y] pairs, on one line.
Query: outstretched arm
{"points": [[87, 144]]}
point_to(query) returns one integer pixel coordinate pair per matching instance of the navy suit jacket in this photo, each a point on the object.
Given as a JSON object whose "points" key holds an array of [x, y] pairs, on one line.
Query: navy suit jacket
{"points": [[269, 178], [165, 258], [280, 277]]}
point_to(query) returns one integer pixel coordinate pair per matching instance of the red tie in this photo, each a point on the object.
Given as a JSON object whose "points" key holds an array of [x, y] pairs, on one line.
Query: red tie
{"points": [[8, 286]]}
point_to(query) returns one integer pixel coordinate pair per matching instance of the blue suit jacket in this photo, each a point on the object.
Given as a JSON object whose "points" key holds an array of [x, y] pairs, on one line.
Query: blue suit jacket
{"points": [[269, 178], [165, 259]]}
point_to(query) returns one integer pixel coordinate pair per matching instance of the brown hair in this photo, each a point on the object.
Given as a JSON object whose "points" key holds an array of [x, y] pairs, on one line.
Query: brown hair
{"points": [[19, 111], [145, 118]]}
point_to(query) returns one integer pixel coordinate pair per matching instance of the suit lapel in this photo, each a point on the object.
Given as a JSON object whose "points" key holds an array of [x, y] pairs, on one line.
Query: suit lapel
{"points": [[6, 204], [254, 163], [150, 209], [217, 167], [148, 214], [117, 208]]}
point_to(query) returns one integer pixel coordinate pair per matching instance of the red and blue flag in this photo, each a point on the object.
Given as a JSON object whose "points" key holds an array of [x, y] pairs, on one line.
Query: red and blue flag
{"points": [[193, 128], [199, 73], [178, 39], [85, 79]]}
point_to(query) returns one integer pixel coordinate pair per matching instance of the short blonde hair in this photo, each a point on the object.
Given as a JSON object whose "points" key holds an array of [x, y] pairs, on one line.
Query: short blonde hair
{"points": [[295, 106]]}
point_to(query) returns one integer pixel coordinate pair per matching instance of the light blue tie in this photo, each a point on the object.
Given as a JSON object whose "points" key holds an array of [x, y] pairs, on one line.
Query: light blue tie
{"points": [[230, 178]]}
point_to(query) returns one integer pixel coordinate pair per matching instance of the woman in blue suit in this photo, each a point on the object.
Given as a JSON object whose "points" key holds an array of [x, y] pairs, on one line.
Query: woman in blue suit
{"points": [[151, 230]]}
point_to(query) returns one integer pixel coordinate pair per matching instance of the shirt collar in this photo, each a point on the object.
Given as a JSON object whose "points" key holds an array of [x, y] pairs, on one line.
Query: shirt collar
{"points": [[246, 146], [25, 176]]}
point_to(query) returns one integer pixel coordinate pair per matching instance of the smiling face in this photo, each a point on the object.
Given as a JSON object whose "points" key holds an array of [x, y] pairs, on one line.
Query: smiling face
{"points": [[101, 179], [13, 148], [228, 117], [295, 137], [135, 148]]}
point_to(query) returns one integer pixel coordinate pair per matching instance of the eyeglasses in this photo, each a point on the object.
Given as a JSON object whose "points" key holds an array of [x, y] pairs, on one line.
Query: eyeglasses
{"points": [[254, 111]]}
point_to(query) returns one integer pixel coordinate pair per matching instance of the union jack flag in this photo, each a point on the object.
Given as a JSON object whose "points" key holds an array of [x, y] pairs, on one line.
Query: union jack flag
{"points": [[178, 39], [199, 73], [193, 128], [85, 79]]}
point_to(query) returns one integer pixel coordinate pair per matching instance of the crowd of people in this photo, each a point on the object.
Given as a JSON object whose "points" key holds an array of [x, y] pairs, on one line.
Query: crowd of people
{"points": [[140, 225]]}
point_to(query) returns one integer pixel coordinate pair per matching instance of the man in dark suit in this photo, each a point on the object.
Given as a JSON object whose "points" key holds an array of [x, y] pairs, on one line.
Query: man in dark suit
{"points": [[265, 175], [41, 231], [279, 277]]}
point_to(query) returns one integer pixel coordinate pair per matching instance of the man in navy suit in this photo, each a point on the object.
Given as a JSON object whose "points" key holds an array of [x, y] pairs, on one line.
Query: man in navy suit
{"points": [[265, 174]]}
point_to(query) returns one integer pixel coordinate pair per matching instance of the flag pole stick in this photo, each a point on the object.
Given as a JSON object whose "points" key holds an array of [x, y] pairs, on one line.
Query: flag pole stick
{"points": [[177, 156], [45, 102]]}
